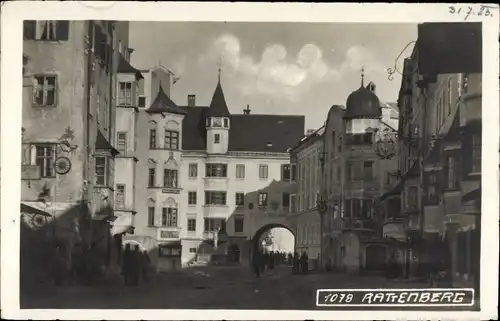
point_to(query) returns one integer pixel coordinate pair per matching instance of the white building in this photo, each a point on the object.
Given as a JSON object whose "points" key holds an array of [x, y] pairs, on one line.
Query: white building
{"points": [[307, 157], [205, 180]]}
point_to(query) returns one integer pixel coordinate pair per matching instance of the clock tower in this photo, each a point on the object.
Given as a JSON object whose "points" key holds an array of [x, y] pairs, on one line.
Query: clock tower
{"points": [[218, 122]]}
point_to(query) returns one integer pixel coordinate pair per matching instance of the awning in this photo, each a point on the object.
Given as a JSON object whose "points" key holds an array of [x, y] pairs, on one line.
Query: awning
{"points": [[102, 143], [32, 210]]}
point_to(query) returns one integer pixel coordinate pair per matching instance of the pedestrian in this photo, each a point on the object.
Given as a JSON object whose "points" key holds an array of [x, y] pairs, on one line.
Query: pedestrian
{"points": [[296, 263], [146, 266], [256, 264], [135, 267], [290, 258], [304, 262], [126, 258], [262, 262]]}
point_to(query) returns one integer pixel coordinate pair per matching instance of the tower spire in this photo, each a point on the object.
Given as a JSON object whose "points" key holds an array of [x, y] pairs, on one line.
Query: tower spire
{"points": [[362, 76], [220, 69]]}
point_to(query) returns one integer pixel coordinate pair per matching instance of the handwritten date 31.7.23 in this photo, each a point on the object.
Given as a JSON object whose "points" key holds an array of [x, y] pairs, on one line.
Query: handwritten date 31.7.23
{"points": [[466, 12]]}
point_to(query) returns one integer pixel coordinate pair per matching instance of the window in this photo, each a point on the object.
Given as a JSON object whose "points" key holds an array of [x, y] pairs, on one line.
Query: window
{"points": [[286, 199], [151, 177], [192, 250], [285, 172], [215, 198], [452, 172], [45, 157], [192, 198], [48, 30], [142, 101], [293, 203], [293, 173], [170, 178], [240, 199], [45, 90], [216, 138], [216, 170], [476, 153], [262, 199], [214, 224], [171, 140], [240, 171], [412, 197], [238, 224], [368, 171], [121, 143], [193, 170], [152, 138], [431, 187], [151, 216], [226, 123], [191, 226], [101, 170], [169, 217], [125, 94], [263, 171], [120, 196]]}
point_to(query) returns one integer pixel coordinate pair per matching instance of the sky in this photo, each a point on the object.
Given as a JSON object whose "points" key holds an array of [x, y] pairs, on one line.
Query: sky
{"points": [[276, 68]]}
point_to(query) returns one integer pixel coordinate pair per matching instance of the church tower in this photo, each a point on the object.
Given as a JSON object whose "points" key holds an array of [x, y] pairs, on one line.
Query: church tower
{"points": [[218, 123]]}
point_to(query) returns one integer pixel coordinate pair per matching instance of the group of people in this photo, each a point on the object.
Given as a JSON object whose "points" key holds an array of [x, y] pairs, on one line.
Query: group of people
{"points": [[135, 265], [300, 263], [262, 260]]}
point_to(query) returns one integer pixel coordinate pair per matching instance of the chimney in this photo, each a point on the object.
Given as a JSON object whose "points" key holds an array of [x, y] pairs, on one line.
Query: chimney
{"points": [[191, 100], [247, 110]]}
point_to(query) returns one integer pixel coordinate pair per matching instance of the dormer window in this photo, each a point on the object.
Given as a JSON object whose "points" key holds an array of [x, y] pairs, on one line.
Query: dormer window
{"points": [[226, 122], [217, 122]]}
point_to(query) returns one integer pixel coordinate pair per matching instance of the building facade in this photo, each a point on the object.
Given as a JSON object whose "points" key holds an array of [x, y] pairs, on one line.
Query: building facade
{"points": [[356, 176], [206, 181], [69, 77], [439, 162], [307, 156]]}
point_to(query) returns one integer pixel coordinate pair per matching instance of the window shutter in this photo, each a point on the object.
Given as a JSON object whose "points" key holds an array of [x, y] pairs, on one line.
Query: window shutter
{"points": [[29, 29], [62, 30]]}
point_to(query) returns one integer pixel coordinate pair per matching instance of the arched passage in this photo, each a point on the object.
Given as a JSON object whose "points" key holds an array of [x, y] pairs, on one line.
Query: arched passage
{"points": [[133, 243], [264, 229]]}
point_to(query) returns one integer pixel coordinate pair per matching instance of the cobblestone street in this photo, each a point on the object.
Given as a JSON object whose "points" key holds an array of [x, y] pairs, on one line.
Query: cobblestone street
{"points": [[208, 288]]}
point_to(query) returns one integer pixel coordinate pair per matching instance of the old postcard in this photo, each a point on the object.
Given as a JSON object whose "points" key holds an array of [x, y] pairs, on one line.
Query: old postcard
{"points": [[263, 161]]}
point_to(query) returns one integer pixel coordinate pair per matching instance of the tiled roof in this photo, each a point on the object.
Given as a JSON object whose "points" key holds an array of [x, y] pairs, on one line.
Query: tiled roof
{"points": [[250, 133], [218, 106], [124, 67], [163, 104]]}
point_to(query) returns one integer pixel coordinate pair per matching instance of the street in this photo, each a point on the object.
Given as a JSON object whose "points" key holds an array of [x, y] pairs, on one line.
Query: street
{"points": [[208, 288]]}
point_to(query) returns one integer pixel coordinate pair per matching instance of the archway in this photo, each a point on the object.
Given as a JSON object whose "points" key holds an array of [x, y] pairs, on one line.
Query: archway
{"points": [[257, 238], [132, 243]]}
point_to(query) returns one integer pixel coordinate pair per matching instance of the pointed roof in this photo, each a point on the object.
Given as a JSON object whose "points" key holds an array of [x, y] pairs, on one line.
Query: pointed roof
{"points": [[125, 67], [218, 106], [163, 104]]}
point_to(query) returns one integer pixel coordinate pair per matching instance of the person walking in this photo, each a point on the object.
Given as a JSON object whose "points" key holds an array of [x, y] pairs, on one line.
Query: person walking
{"points": [[304, 262], [256, 264], [146, 265], [296, 263], [135, 268], [126, 258]]}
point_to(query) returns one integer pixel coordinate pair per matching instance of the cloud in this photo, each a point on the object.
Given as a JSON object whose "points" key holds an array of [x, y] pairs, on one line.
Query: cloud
{"points": [[278, 74]]}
